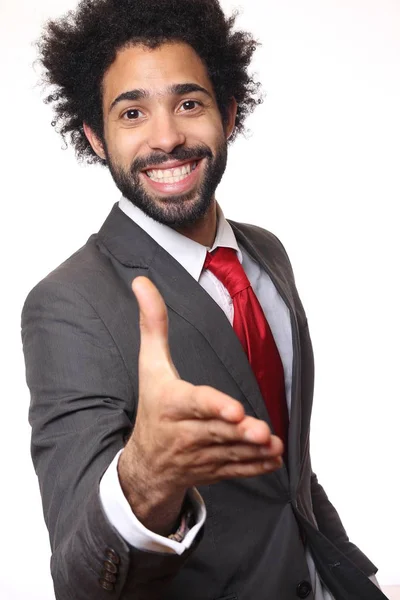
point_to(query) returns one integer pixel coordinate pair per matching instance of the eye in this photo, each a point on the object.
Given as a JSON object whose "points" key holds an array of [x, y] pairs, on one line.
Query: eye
{"points": [[132, 114], [189, 105]]}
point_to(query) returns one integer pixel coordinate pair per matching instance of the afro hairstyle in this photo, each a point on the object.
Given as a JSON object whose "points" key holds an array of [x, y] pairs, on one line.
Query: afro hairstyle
{"points": [[76, 50]]}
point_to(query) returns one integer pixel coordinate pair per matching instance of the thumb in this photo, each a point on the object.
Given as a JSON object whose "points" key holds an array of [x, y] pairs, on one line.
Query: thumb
{"points": [[153, 322]]}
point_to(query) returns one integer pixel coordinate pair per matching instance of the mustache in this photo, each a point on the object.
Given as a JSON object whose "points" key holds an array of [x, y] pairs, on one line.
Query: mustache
{"points": [[180, 153]]}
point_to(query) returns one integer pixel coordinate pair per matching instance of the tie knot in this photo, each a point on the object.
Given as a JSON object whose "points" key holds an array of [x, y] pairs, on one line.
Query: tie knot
{"points": [[225, 265]]}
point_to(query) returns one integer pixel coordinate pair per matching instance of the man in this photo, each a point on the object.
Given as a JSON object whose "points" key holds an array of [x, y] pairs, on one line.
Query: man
{"points": [[165, 356]]}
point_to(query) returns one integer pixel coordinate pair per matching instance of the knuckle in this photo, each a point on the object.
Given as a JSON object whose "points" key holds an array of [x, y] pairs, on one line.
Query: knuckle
{"points": [[169, 411], [186, 438], [197, 460], [215, 433], [235, 455]]}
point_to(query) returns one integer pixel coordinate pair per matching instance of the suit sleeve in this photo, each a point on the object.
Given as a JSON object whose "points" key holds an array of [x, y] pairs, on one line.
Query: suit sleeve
{"points": [[120, 515], [80, 413]]}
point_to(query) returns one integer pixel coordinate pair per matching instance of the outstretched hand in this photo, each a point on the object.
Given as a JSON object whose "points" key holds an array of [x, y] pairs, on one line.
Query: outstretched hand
{"points": [[185, 435]]}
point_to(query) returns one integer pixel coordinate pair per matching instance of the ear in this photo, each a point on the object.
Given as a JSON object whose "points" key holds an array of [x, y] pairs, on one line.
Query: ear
{"points": [[94, 141], [231, 118]]}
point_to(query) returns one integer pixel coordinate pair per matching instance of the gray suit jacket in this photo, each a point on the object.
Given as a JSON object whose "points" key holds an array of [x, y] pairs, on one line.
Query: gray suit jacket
{"points": [[81, 341]]}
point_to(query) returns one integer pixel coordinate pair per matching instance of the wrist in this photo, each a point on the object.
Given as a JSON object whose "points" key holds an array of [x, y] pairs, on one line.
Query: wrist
{"points": [[153, 502]]}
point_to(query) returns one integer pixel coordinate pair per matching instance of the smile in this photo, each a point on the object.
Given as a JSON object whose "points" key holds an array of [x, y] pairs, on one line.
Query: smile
{"points": [[172, 175]]}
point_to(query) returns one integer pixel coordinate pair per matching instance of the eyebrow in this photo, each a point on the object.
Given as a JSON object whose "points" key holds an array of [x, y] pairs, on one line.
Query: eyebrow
{"points": [[178, 89]]}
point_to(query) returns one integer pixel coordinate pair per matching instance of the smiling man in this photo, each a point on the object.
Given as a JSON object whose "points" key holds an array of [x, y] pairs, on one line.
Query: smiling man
{"points": [[163, 140], [169, 359]]}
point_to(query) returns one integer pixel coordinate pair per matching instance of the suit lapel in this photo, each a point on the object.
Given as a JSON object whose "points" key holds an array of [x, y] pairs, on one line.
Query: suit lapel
{"points": [[135, 249]]}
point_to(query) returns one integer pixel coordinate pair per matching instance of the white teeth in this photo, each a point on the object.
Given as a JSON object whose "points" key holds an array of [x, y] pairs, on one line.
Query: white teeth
{"points": [[171, 175]]}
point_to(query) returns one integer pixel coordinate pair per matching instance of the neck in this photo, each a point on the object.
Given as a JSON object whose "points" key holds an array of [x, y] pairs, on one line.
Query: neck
{"points": [[204, 230]]}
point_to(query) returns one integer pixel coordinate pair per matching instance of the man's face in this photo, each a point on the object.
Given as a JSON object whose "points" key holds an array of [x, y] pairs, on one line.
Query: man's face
{"points": [[164, 139]]}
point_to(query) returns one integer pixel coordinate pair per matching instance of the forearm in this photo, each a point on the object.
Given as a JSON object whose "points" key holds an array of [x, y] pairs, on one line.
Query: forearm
{"points": [[79, 415], [81, 565], [124, 521]]}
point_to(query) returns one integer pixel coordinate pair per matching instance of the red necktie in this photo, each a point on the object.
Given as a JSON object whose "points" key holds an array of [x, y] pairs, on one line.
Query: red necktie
{"points": [[255, 335]]}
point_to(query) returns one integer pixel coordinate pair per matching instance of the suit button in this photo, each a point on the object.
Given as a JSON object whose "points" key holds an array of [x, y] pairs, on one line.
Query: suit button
{"points": [[108, 576], [303, 589], [112, 556], [110, 567], [106, 585]]}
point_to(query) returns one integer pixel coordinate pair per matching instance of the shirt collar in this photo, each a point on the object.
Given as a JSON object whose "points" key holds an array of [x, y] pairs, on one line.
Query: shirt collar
{"points": [[190, 254]]}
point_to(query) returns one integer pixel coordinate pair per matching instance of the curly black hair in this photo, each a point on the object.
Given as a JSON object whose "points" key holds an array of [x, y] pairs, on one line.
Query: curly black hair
{"points": [[77, 49]]}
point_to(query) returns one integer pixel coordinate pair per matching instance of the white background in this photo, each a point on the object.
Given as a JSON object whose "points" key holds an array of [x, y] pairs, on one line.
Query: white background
{"points": [[321, 170]]}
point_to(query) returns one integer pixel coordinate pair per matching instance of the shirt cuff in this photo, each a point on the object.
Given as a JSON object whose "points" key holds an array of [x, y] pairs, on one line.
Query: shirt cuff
{"points": [[121, 517]]}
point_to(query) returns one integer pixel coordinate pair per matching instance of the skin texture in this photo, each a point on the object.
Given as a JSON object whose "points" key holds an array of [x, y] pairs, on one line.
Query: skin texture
{"points": [[184, 435]]}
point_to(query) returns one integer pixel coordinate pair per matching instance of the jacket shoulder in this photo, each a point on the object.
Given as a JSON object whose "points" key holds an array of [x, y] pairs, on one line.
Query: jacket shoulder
{"points": [[85, 273]]}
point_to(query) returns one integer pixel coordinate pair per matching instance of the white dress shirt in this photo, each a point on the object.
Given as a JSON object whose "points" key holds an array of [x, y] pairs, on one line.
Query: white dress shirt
{"points": [[191, 255]]}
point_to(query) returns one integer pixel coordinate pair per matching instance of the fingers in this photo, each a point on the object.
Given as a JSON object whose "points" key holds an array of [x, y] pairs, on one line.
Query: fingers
{"points": [[154, 347], [197, 436], [238, 460], [249, 430], [251, 469], [205, 431], [235, 453], [208, 416], [232, 470], [200, 402]]}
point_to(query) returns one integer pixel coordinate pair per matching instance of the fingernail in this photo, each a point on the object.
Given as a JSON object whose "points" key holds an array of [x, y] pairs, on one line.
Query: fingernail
{"points": [[264, 451]]}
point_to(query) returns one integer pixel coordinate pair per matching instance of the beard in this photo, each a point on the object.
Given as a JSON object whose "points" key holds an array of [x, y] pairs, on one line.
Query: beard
{"points": [[180, 210]]}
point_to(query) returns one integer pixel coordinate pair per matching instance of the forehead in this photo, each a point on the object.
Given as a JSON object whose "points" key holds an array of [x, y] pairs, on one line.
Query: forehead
{"points": [[154, 70]]}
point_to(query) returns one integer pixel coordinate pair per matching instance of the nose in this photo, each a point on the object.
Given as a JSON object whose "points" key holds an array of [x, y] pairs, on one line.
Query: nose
{"points": [[166, 133]]}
